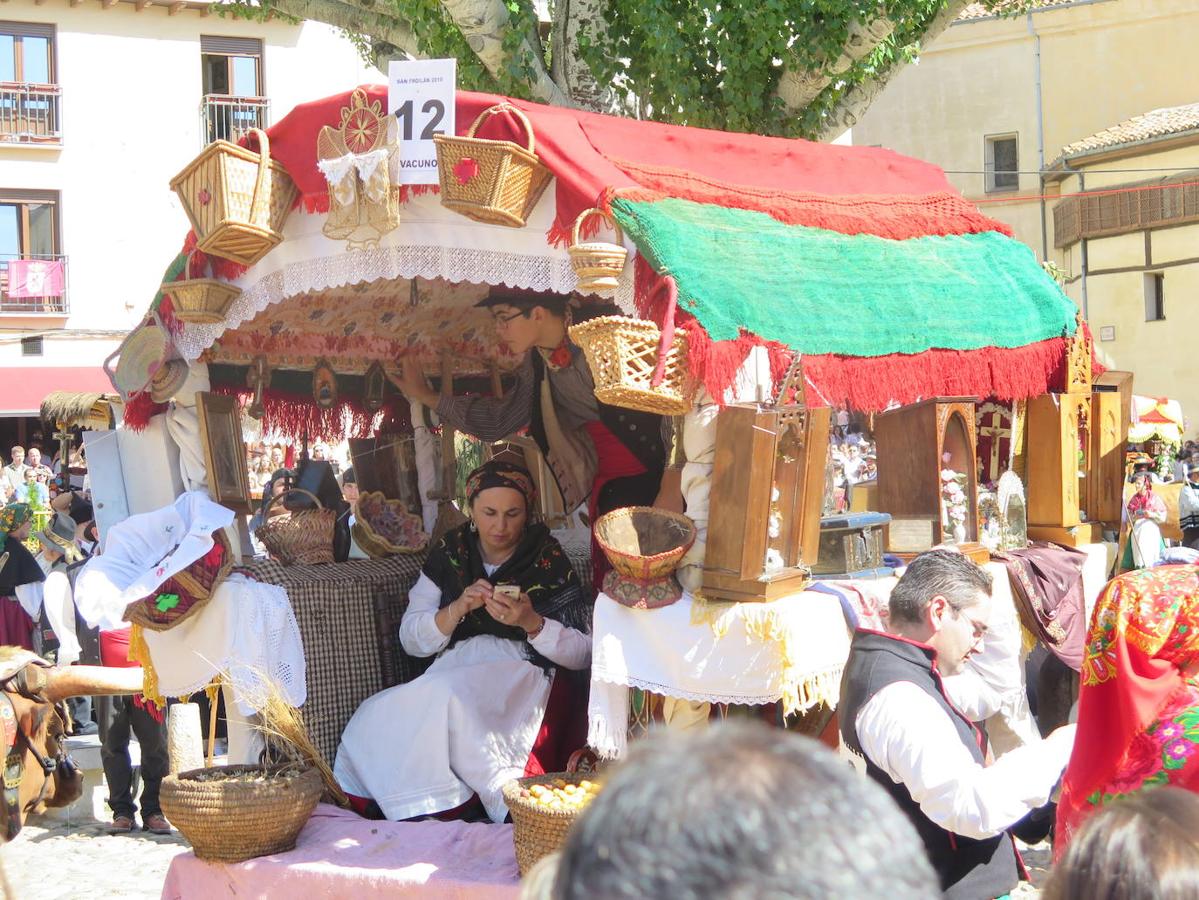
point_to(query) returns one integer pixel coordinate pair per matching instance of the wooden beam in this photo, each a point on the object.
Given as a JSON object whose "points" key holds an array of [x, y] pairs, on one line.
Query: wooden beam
{"points": [[141, 4], [177, 8]]}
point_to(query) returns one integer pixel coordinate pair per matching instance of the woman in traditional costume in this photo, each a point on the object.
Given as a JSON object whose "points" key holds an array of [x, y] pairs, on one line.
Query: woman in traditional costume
{"points": [[1146, 514], [20, 578], [468, 725], [1138, 705]]}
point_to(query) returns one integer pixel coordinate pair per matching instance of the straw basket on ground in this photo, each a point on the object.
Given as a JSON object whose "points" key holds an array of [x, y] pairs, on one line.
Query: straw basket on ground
{"points": [[537, 829], [497, 182], [623, 355], [301, 538], [234, 813], [644, 546], [237, 200], [597, 263], [200, 301]]}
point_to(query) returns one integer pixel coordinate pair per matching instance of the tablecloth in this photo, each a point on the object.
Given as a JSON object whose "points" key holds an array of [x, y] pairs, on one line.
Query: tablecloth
{"points": [[792, 649], [340, 854]]}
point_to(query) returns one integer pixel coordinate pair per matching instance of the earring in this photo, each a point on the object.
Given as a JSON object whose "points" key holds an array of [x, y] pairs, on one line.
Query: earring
{"points": [[473, 527]]}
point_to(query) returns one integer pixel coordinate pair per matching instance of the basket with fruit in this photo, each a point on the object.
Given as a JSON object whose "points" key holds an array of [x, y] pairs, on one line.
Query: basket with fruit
{"points": [[543, 808]]}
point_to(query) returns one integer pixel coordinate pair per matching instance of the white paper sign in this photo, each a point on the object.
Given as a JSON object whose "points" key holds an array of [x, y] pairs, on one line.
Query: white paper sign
{"points": [[420, 94]]}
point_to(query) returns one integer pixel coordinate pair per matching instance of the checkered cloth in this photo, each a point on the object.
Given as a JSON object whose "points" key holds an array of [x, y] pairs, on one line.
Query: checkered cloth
{"points": [[349, 617], [336, 610]]}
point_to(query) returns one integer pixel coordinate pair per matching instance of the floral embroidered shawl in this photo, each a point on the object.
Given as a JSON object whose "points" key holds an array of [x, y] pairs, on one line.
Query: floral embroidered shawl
{"points": [[1133, 696]]}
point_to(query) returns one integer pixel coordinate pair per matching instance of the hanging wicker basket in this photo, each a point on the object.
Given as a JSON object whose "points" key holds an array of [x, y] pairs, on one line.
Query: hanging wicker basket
{"points": [[200, 301], [623, 355], [303, 538], [597, 263], [237, 200], [497, 182], [233, 813]]}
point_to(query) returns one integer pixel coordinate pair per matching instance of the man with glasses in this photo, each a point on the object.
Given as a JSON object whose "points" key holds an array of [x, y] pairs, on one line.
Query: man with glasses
{"points": [[896, 715], [605, 456]]}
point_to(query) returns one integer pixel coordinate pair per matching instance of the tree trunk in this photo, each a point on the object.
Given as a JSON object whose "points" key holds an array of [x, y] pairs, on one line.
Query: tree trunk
{"points": [[353, 17], [572, 18], [798, 88]]}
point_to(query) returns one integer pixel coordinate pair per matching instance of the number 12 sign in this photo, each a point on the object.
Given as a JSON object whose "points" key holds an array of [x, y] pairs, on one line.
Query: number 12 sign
{"points": [[420, 94]]}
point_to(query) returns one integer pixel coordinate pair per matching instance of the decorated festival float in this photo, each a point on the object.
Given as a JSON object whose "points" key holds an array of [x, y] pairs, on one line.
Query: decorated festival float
{"points": [[745, 286]]}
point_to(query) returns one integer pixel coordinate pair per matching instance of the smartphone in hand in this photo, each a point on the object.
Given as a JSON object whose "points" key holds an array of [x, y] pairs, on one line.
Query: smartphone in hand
{"points": [[507, 591]]}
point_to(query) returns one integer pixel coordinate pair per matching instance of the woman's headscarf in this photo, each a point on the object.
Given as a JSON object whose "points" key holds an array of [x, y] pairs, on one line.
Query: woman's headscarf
{"points": [[1144, 630], [13, 517], [538, 565]]}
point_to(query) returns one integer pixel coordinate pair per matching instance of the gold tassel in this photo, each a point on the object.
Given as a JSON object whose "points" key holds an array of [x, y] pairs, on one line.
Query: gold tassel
{"points": [[139, 652]]}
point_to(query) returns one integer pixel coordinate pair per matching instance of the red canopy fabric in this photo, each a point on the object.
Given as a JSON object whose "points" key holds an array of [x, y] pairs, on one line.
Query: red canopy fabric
{"points": [[26, 386]]}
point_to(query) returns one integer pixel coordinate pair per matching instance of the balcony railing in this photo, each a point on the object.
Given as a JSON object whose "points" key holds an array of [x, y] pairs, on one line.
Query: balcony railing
{"points": [[228, 118], [34, 284], [30, 113]]}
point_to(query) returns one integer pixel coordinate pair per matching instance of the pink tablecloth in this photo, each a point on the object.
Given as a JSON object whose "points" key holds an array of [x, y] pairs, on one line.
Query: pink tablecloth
{"points": [[340, 854]]}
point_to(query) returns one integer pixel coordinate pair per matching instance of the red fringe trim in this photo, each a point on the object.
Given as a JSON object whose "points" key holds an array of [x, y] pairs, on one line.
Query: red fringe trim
{"points": [[296, 415], [892, 216], [561, 232], [139, 410], [224, 269], [319, 202]]}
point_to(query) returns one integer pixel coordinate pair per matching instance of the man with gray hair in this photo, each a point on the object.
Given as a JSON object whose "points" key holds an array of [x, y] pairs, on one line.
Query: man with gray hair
{"points": [[738, 811], [927, 754]]}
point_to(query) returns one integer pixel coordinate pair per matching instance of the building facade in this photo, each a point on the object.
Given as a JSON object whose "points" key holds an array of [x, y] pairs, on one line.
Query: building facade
{"points": [[102, 102], [1010, 106]]}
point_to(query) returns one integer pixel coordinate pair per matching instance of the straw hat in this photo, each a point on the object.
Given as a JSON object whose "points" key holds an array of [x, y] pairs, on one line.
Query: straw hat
{"points": [[167, 380], [141, 355]]}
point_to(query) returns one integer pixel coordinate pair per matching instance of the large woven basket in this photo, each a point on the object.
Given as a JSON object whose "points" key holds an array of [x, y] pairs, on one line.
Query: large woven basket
{"points": [[237, 200], [597, 263], [301, 538], [194, 586], [233, 820], [537, 831], [643, 542], [369, 539], [497, 182], [200, 301], [623, 355]]}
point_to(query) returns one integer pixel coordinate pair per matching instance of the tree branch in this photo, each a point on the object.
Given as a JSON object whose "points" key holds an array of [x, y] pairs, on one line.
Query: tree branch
{"points": [[483, 24], [797, 88], [355, 17], [572, 18], [857, 99]]}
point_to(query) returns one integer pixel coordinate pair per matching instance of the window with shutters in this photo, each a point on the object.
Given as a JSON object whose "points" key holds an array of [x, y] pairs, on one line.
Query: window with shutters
{"points": [[234, 97], [30, 98], [33, 273], [1002, 162]]}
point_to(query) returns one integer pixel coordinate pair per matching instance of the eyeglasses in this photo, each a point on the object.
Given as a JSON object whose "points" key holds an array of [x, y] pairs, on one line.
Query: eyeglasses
{"points": [[980, 629], [502, 321]]}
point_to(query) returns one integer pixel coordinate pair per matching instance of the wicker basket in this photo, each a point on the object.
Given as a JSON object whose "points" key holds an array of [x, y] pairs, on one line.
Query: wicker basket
{"points": [[237, 200], [597, 263], [497, 182], [302, 538], [623, 354], [230, 821], [537, 831], [644, 546], [374, 544], [195, 586], [200, 301]]}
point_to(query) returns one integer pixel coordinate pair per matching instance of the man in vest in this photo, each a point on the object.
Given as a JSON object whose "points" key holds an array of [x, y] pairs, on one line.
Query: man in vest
{"points": [[603, 455], [896, 714]]}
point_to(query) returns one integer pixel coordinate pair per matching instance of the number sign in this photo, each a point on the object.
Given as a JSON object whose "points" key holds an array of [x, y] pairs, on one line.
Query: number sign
{"points": [[420, 94]]}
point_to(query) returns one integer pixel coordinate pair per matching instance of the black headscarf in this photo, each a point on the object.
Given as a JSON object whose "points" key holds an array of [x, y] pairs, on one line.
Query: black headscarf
{"points": [[538, 566]]}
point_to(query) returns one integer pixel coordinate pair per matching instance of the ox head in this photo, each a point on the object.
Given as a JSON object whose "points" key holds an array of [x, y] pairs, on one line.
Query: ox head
{"points": [[37, 771]]}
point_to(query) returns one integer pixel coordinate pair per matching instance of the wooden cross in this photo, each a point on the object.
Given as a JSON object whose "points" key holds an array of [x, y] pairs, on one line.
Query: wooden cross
{"points": [[65, 439]]}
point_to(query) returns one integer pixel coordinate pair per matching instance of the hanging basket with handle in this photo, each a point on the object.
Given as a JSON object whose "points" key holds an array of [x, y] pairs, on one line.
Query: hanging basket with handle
{"points": [[200, 301], [491, 181], [237, 200], [597, 263], [623, 354], [301, 538]]}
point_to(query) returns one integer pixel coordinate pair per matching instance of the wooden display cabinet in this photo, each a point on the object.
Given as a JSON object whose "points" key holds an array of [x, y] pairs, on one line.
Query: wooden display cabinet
{"points": [[769, 464], [914, 444], [1111, 414]]}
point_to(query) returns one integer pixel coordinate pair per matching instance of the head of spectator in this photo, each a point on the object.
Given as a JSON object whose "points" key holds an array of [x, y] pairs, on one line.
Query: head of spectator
{"points": [[740, 811], [320, 452], [277, 456], [349, 485], [18, 455], [1144, 846], [34, 457], [943, 600]]}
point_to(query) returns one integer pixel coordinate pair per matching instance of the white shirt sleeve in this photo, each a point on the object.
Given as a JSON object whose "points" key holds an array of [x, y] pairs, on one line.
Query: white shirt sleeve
{"points": [[419, 634], [60, 611], [907, 734], [30, 598], [565, 646]]}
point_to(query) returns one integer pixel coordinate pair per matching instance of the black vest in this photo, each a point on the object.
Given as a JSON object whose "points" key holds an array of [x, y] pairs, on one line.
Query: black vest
{"points": [[969, 869]]}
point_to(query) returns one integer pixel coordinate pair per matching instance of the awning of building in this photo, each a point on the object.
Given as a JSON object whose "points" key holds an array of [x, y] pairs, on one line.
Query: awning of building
{"points": [[25, 386]]}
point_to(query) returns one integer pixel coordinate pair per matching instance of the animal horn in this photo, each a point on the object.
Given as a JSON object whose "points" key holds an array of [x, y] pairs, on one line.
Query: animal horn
{"points": [[91, 681]]}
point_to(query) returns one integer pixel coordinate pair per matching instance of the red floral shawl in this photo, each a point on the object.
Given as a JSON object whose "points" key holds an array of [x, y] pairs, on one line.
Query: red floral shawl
{"points": [[1144, 630]]}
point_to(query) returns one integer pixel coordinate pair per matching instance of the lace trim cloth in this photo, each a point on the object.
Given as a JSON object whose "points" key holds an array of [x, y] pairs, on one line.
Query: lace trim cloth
{"points": [[431, 242]]}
